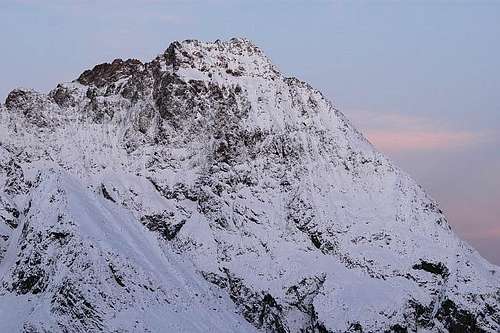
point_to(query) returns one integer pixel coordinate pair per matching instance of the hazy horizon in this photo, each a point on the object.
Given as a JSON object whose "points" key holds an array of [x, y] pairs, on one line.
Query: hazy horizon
{"points": [[420, 81]]}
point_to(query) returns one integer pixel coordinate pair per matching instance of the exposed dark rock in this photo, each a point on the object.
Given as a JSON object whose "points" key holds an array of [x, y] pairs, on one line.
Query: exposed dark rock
{"points": [[436, 269], [259, 308], [68, 300], [116, 276], [106, 194], [302, 296], [164, 224], [457, 320], [422, 315], [30, 104], [63, 96], [397, 328], [59, 235], [356, 327], [107, 73], [31, 281]]}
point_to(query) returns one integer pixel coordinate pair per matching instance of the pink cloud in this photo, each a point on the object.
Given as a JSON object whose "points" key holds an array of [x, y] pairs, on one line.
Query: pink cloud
{"points": [[475, 217], [400, 140], [395, 132], [478, 231]]}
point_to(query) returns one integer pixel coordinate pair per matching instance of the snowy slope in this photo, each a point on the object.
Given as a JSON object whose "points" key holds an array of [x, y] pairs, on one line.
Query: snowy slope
{"points": [[206, 192]]}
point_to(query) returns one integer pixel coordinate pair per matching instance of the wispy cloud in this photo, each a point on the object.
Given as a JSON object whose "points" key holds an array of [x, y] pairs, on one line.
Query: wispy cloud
{"points": [[393, 132], [476, 217], [400, 140]]}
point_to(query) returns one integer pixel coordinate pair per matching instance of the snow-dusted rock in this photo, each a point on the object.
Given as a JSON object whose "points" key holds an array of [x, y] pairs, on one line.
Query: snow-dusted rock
{"points": [[206, 192]]}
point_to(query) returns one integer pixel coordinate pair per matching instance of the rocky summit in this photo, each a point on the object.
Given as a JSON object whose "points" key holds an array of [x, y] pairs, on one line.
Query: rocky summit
{"points": [[205, 191]]}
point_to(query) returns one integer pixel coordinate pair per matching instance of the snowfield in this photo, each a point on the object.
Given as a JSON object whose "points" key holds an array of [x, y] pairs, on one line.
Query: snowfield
{"points": [[206, 192]]}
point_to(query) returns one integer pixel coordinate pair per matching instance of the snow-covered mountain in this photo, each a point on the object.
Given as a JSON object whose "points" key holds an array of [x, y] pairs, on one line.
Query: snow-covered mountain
{"points": [[204, 191]]}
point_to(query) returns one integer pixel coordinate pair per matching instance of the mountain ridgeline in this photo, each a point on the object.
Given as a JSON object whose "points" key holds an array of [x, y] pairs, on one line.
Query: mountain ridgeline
{"points": [[205, 191]]}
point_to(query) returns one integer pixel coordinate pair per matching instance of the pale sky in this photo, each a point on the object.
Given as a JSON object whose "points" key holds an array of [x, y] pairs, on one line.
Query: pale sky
{"points": [[420, 78]]}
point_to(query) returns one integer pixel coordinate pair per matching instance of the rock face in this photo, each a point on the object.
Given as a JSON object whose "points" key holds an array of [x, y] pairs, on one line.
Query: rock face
{"points": [[206, 192]]}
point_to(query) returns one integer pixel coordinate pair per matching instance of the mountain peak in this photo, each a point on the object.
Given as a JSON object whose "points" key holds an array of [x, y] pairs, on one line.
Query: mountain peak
{"points": [[205, 191], [237, 56], [234, 44], [219, 61]]}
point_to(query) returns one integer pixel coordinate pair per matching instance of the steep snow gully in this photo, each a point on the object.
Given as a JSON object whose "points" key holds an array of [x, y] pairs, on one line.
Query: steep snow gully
{"points": [[206, 192]]}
